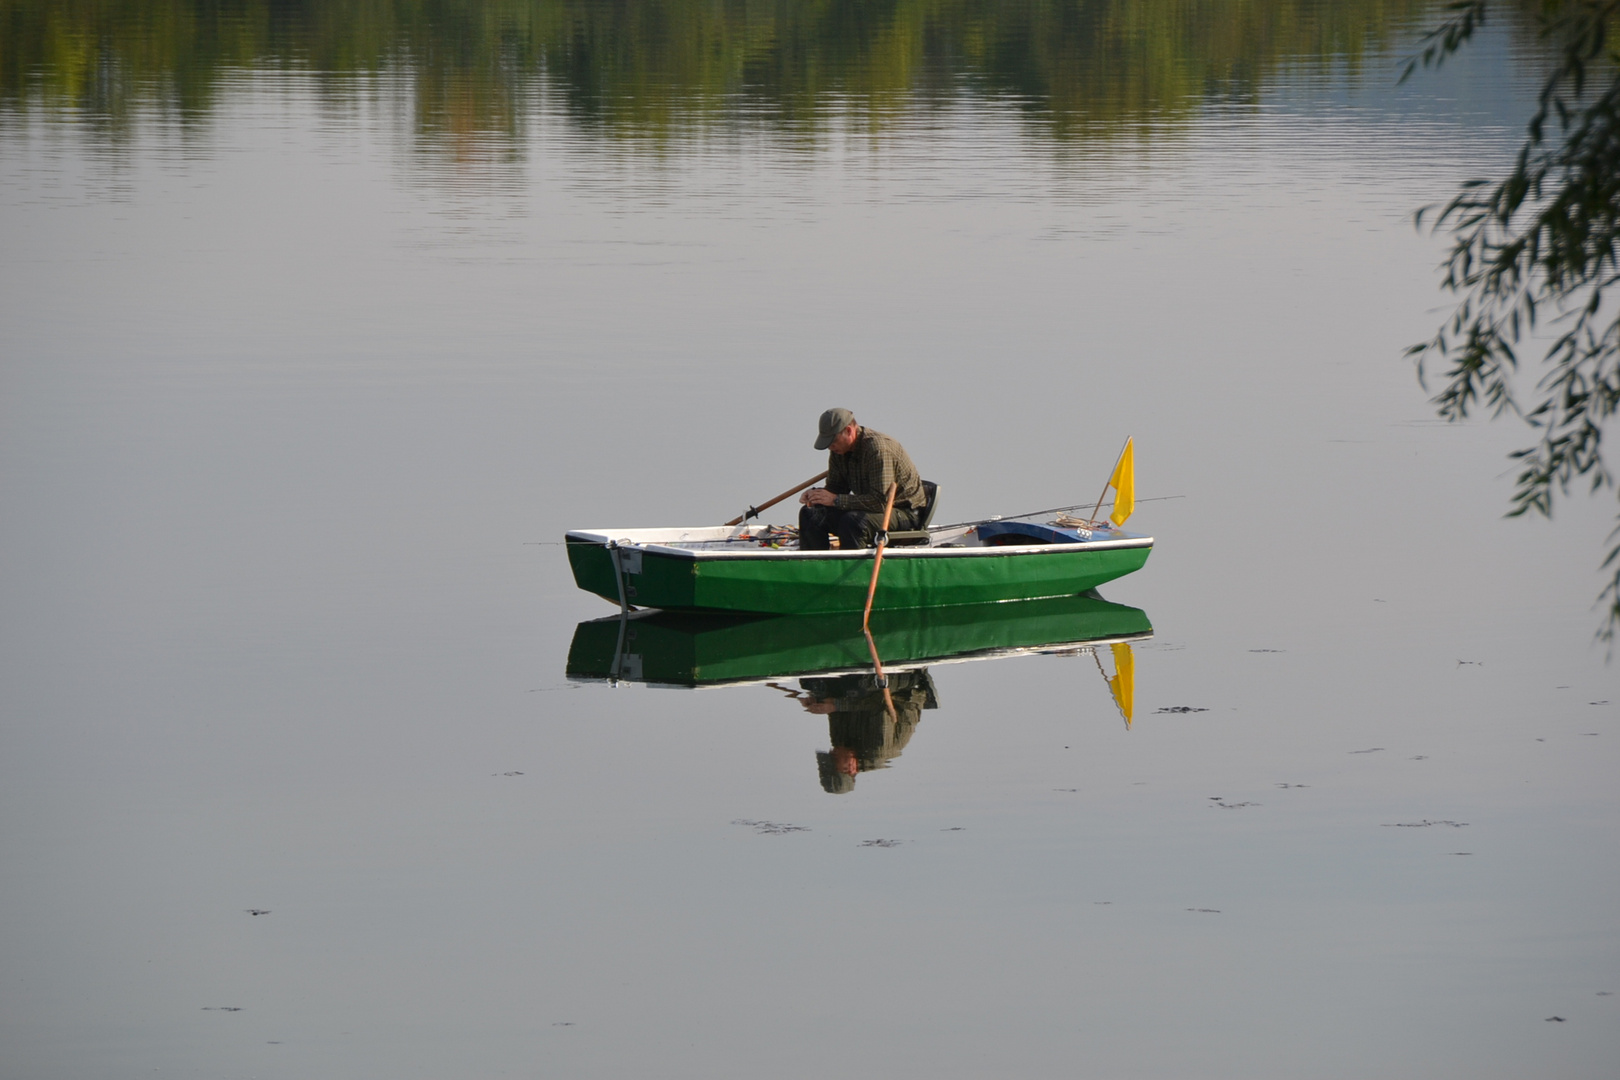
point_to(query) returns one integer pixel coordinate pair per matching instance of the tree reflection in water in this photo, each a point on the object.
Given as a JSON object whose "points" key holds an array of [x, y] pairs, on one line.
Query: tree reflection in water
{"points": [[659, 70]]}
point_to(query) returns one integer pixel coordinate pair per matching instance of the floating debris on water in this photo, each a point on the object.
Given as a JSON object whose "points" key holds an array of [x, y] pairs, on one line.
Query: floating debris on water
{"points": [[1268, 650], [257, 911], [1462, 852], [1065, 789], [1290, 785], [881, 843], [1220, 804], [506, 774], [771, 828], [954, 828], [1424, 824], [1555, 1019], [562, 1023], [1182, 709], [1205, 910], [222, 1008]]}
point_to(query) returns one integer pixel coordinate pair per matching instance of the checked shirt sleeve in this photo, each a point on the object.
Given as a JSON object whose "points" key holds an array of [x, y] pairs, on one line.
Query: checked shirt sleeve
{"points": [[874, 467]]}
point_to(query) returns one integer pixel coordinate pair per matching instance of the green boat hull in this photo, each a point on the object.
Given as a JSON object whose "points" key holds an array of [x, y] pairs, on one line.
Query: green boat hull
{"points": [[691, 649], [823, 583]]}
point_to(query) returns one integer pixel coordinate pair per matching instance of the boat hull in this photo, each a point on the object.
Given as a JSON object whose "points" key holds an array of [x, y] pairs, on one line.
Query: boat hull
{"points": [[697, 649], [791, 582]]}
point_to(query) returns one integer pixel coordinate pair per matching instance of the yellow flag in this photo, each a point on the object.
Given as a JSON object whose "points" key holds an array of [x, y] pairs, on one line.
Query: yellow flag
{"points": [[1123, 684], [1124, 484]]}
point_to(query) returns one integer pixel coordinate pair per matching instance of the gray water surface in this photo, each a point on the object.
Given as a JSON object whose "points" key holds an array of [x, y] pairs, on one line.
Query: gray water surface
{"points": [[300, 392]]}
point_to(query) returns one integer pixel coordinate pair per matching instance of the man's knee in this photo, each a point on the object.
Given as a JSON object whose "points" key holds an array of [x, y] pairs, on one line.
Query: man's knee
{"points": [[857, 530], [860, 530]]}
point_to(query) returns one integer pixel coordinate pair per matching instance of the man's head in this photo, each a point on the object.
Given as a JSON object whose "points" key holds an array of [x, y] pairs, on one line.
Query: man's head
{"points": [[838, 431], [837, 771]]}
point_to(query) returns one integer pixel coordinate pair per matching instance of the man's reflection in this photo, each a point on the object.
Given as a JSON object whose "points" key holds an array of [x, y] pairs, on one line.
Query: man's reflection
{"points": [[864, 735]]}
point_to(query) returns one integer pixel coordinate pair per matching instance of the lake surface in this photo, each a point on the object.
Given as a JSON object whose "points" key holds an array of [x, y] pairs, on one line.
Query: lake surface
{"points": [[320, 328]]}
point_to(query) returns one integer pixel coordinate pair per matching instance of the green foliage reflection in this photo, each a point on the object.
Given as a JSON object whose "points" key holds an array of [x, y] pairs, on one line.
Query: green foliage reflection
{"points": [[1079, 67]]}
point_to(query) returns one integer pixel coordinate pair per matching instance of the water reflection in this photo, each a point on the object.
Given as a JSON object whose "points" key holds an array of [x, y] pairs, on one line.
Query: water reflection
{"points": [[866, 727], [666, 69], [870, 718]]}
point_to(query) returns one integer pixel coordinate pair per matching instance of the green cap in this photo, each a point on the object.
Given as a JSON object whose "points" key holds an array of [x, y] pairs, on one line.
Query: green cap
{"points": [[832, 422]]}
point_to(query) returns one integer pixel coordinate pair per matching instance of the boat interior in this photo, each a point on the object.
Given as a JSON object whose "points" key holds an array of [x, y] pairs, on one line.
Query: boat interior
{"points": [[1031, 530]]}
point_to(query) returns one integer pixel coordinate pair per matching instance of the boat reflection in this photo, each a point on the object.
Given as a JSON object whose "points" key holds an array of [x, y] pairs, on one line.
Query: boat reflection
{"points": [[872, 709]]}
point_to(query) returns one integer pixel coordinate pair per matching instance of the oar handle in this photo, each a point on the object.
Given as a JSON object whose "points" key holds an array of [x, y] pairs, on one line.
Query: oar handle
{"points": [[753, 511]]}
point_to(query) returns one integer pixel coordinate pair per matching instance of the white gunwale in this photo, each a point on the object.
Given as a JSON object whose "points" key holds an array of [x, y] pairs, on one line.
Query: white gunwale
{"points": [[665, 542]]}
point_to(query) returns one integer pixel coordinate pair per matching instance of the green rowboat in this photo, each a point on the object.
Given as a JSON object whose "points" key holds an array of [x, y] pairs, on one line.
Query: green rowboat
{"points": [[740, 568]]}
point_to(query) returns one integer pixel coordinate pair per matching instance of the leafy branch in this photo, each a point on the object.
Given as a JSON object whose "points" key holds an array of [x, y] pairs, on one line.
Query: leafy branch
{"points": [[1537, 250]]}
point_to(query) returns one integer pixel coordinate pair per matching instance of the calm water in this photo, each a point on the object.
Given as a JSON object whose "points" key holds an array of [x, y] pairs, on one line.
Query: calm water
{"points": [[318, 332]]}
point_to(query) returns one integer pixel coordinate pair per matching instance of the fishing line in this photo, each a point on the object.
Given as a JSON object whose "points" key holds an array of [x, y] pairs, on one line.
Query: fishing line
{"points": [[1038, 513]]}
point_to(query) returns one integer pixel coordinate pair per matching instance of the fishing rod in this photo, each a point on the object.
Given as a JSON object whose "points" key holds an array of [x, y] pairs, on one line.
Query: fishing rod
{"points": [[1038, 513]]}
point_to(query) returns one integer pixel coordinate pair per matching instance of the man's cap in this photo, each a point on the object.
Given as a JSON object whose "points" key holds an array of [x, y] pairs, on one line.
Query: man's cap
{"points": [[833, 782], [832, 422]]}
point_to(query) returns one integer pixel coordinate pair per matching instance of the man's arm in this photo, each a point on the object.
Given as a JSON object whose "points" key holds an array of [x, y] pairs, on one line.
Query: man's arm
{"points": [[838, 474], [837, 483], [875, 472]]}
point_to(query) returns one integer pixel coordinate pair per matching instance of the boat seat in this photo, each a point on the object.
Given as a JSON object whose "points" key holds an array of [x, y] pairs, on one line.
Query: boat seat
{"points": [[919, 535]]}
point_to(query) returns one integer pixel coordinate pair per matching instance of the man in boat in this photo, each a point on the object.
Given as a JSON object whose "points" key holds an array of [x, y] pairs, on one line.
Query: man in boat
{"points": [[861, 466]]}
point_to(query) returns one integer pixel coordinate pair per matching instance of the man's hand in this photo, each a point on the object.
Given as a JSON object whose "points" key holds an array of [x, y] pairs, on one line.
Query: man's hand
{"points": [[818, 497]]}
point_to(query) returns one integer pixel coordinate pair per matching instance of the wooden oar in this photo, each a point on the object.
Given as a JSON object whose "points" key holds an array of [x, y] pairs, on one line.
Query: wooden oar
{"points": [[753, 511], [877, 560], [882, 679]]}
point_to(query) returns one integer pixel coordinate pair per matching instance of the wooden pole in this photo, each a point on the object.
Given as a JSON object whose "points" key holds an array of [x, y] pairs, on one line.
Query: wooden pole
{"points": [[1098, 508], [883, 680], [1104, 674], [877, 561], [752, 510]]}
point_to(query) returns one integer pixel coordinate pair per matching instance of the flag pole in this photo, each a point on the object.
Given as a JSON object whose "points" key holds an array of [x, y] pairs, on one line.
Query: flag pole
{"points": [[1098, 508], [1110, 686]]}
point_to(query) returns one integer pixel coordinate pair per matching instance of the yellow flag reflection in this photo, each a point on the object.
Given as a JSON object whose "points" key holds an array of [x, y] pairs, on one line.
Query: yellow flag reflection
{"points": [[1123, 684], [1124, 484]]}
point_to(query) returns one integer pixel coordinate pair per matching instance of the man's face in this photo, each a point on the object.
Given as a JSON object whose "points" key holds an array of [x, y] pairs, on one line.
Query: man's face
{"points": [[845, 439], [844, 760]]}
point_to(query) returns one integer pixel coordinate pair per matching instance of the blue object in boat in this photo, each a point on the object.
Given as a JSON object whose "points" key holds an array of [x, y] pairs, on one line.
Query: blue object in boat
{"points": [[1028, 532]]}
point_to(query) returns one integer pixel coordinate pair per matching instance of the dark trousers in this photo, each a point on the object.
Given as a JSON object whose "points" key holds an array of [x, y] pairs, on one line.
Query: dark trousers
{"points": [[855, 528]]}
